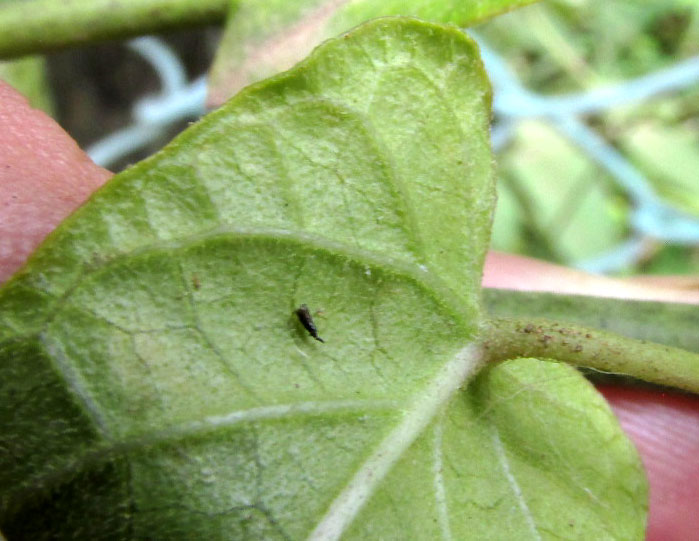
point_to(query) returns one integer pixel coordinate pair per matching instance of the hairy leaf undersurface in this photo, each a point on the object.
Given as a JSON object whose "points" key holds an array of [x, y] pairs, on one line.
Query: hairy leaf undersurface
{"points": [[157, 383], [264, 38]]}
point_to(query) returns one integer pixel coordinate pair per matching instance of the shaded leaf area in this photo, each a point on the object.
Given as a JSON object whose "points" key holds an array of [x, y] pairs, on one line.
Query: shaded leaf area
{"points": [[157, 383], [264, 38]]}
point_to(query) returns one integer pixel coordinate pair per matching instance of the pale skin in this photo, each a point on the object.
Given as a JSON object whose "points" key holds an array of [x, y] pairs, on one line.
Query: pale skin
{"points": [[44, 176]]}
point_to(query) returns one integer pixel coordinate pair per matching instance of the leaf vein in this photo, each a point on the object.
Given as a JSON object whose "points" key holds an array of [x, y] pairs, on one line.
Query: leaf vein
{"points": [[514, 485], [440, 493]]}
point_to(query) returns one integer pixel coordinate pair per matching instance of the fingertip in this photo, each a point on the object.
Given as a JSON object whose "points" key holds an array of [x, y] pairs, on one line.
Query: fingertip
{"points": [[44, 176], [665, 429]]}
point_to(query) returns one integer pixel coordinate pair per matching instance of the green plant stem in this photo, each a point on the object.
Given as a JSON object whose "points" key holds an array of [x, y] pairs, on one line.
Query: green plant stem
{"points": [[47, 25], [509, 338]]}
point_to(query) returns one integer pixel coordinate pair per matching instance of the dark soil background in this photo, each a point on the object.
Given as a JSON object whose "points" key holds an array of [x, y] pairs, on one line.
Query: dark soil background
{"points": [[95, 87]]}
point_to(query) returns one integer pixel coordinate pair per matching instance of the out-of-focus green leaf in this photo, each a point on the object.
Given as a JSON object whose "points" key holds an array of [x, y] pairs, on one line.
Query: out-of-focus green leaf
{"points": [[561, 47], [509, 226], [670, 158], [673, 324], [566, 201], [673, 259]]}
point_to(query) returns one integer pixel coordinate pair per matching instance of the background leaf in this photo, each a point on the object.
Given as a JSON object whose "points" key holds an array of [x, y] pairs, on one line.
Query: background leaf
{"points": [[549, 193], [156, 382], [560, 48], [264, 38], [669, 155], [672, 324]]}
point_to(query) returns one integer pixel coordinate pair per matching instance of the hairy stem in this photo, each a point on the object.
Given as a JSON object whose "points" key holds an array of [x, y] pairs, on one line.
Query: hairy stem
{"points": [[509, 338], [47, 25]]}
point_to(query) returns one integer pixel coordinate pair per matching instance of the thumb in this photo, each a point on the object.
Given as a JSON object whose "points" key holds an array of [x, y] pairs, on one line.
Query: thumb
{"points": [[44, 176]]}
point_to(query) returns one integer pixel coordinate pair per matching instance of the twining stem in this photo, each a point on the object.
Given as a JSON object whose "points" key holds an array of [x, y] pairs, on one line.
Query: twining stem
{"points": [[508, 338], [47, 25]]}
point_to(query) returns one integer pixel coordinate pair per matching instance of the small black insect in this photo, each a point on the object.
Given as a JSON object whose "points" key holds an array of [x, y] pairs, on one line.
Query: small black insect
{"points": [[304, 315]]}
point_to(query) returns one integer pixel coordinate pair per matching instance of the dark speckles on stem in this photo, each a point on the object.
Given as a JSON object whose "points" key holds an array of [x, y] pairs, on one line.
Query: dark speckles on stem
{"points": [[304, 315]]}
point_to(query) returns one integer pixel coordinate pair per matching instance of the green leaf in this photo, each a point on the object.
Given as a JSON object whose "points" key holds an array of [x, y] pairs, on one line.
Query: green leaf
{"points": [[668, 323], [263, 38], [157, 384]]}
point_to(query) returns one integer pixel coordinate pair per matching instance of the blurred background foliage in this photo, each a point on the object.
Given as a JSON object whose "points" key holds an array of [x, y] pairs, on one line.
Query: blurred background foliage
{"points": [[555, 202]]}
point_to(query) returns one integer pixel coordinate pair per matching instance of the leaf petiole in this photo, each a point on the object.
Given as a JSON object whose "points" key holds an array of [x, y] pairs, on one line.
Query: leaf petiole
{"points": [[509, 338]]}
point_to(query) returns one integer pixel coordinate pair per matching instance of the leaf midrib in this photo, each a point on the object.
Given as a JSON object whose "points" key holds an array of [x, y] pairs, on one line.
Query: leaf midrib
{"points": [[423, 410]]}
